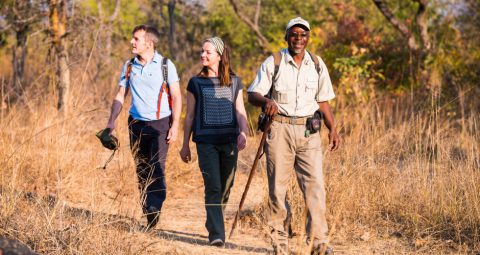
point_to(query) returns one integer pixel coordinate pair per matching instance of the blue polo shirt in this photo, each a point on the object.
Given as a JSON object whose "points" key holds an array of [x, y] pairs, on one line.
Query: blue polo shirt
{"points": [[145, 83]]}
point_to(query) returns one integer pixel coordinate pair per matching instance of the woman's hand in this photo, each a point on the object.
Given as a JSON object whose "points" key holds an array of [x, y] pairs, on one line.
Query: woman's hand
{"points": [[185, 154], [241, 141]]}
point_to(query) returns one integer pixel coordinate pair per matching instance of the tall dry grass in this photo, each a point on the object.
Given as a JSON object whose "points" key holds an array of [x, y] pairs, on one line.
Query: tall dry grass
{"points": [[54, 196], [401, 172], [405, 173]]}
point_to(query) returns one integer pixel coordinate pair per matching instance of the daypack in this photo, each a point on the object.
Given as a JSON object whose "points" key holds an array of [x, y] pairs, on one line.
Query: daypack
{"points": [[164, 88]]}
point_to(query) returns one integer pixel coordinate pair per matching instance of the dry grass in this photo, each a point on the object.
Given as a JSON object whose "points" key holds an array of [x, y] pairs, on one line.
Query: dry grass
{"points": [[401, 175], [406, 174]]}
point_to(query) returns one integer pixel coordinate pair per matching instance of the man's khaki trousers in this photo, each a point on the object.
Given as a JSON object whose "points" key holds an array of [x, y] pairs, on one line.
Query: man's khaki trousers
{"points": [[287, 147]]}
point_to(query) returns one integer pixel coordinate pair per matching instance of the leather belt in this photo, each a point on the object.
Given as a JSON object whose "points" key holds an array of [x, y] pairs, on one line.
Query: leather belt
{"points": [[291, 120]]}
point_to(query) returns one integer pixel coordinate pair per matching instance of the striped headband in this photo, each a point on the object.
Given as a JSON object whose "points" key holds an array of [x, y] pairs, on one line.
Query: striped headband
{"points": [[217, 43]]}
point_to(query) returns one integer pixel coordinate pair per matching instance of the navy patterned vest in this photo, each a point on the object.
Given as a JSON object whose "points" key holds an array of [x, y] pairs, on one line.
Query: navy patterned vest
{"points": [[215, 119]]}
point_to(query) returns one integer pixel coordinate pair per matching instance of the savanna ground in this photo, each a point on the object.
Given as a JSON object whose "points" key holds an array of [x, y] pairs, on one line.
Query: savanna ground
{"points": [[404, 182]]}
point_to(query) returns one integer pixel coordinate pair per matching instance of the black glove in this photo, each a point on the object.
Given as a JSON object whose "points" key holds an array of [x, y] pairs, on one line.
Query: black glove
{"points": [[108, 140]]}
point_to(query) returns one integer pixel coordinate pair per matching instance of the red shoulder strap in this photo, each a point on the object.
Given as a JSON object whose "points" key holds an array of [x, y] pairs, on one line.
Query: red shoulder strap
{"points": [[164, 88], [127, 74]]}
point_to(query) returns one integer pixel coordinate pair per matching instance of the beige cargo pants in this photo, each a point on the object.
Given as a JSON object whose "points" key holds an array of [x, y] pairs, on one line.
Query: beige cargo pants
{"points": [[288, 147]]}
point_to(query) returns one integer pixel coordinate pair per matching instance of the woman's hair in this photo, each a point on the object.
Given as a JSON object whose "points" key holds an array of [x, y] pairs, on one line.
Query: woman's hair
{"points": [[224, 69]]}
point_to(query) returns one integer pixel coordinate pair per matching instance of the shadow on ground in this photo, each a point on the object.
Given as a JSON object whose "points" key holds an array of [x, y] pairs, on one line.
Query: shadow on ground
{"points": [[123, 223]]}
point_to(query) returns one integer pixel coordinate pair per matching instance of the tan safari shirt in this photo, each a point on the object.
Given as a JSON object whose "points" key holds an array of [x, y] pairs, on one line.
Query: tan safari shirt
{"points": [[297, 90]]}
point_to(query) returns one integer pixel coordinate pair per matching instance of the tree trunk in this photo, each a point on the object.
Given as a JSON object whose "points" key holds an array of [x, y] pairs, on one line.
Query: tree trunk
{"points": [[172, 39], [18, 58], [63, 79], [253, 24], [400, 26], [106, 26], [58, 31], [422, 48], [21, 15], [421, 20]]}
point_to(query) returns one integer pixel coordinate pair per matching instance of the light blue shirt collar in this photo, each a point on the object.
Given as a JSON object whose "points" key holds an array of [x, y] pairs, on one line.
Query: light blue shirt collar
{"points": [[156, 58]]}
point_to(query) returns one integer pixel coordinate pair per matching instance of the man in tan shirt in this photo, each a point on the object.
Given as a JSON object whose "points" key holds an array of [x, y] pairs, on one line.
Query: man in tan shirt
{"points": [[300, 88]]}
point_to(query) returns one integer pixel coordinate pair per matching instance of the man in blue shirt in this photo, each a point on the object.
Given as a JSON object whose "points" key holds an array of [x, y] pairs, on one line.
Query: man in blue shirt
{"points": [[154, 115]]}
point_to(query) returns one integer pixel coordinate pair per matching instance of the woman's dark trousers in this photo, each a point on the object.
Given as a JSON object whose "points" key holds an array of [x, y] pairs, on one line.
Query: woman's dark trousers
{"points": [[218, 164]]}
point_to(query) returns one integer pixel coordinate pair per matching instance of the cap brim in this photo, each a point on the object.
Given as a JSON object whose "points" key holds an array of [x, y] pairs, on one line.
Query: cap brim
{"points": [[299, 25]]}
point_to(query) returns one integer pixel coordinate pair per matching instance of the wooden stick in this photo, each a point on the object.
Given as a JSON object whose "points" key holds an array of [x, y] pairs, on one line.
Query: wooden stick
{"points": [[250, 177]]}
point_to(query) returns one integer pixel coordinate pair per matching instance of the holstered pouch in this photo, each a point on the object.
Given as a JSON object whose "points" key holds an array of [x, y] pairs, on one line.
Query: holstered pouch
{"points": [[314, 123]]}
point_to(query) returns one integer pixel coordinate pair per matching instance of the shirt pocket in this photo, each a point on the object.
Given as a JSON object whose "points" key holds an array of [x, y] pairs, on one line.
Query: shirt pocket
{"points": [[281, 93], [311, 84]]}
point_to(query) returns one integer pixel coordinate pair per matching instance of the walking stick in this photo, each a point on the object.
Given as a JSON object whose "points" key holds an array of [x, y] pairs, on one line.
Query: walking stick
{"points": [[252, 171]]}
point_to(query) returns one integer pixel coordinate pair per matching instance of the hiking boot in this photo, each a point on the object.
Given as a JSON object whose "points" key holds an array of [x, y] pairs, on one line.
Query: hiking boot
{"points": [[318, 250], [217, 242], [153, 216]]}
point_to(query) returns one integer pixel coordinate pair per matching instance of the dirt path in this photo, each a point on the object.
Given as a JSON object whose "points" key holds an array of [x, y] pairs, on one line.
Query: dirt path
{"points": [[183, 220], [181, 229]]}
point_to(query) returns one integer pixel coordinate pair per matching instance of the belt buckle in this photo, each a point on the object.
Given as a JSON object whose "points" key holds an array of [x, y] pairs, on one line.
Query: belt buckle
{"points": [[295, 120]]}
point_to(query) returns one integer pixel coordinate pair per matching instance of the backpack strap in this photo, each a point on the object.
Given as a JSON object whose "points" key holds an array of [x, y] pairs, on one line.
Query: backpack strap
{"points": [[129, 70], [165, 69], [317, 63], [127, 73], [164, 88], [277, 57]]}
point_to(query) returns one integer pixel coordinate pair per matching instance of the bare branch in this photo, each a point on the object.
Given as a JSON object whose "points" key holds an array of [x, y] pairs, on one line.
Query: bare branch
{"points": [[257, 11], [422, 23], [100, 9], [115, 12], [112, 17], [253, 25], [382, 6]]}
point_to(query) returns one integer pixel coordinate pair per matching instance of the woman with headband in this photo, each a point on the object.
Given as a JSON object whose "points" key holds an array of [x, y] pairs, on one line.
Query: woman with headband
{"points": [[217, 119]]}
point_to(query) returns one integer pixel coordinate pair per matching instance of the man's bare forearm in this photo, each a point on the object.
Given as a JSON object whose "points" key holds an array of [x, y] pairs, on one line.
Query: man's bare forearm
{"points": [[327, 115], [256, 99]]}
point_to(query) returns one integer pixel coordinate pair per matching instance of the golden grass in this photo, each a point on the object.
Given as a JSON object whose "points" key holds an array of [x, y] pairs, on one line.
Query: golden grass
{"points": [[404, 173], [400, 173]]}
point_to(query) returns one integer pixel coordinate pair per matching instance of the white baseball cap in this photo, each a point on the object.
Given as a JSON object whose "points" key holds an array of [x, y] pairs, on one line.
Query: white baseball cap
{"points": [[297, 21]]}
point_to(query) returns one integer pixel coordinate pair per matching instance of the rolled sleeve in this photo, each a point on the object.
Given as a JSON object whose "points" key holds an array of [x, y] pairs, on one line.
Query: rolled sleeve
{"points": [[263, 80], [325, 88]]}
